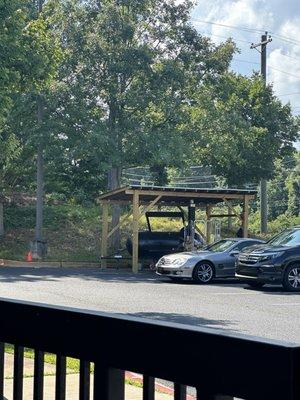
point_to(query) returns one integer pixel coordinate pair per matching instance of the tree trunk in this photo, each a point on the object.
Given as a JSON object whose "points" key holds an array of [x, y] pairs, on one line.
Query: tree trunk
{"points": [[39, 194], [114, 180], [39, 243], [160, 174], [1, 220]]}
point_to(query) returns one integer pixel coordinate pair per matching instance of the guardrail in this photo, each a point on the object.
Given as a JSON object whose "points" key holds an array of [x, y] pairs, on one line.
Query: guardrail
{"points": [[216, 364]]}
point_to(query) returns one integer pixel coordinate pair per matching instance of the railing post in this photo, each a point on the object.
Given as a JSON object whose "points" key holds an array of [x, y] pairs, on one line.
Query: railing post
{"points": [[148, 387], [84, 380], [109, 383], [18, 373], [179, 391], [2, 348], [60, 383], [38, 385]]}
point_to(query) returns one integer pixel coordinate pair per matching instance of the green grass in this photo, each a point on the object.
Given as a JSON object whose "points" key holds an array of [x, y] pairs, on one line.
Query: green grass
{"points": [[73, 231], [72, 365]]}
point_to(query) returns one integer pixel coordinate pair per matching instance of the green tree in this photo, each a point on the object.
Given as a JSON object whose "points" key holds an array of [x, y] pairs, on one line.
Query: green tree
{"points": [[293, 188], [12, 77], [277, 190], [241, 128], [131, 68], [37, 65]]}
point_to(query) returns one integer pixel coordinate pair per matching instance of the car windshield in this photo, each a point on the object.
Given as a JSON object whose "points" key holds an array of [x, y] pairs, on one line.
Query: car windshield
{"points": [[290, 237], [222, 245]]}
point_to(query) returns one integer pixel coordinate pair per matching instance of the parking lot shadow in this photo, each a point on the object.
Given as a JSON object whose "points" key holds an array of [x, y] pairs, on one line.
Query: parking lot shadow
{"points": [[34, 274], [187, 319], [272, 290]]}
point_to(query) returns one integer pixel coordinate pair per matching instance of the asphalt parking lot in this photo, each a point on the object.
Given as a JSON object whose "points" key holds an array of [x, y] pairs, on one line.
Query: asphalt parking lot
{"points": [[224, 305]]}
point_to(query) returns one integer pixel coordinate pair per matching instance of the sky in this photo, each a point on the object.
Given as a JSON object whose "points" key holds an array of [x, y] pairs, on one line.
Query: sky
{"points": [[253, 17]]}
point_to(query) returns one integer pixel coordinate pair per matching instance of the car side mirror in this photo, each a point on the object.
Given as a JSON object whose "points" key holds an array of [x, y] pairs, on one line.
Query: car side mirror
{"points": [[234, 253]]}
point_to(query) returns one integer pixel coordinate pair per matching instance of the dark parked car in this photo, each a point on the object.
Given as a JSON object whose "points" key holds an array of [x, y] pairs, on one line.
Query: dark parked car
{"points": [[277, 261]]}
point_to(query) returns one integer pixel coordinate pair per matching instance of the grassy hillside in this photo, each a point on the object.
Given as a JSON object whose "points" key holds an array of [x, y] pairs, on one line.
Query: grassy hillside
{"points": [[73, 232]]}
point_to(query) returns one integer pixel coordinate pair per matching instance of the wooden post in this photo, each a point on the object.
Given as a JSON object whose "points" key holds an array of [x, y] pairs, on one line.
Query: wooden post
{"points": [[104, 237], [208, 223], [245, 216], [229, 220], [135, 233], [1, 220]]}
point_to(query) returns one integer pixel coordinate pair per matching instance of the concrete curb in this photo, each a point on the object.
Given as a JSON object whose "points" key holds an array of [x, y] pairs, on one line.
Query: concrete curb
{"points": [[64, 264], [159, 387], [48, 264]]}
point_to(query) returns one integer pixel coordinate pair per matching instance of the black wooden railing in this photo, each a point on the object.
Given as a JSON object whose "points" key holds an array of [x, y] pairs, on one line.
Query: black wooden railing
{"points": [[216, 364]]}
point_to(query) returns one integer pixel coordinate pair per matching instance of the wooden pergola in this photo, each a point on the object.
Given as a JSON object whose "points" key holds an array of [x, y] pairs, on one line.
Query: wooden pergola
{"points": [[144, 198]]}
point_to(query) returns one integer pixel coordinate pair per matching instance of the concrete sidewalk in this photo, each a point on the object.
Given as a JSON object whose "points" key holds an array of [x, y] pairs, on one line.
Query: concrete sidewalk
{"points": [[72, 383], [72, 389]]}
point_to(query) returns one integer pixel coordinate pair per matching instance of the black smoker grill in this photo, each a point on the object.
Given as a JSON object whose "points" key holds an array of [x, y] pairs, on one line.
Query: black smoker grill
{"points": [[156, 244]]}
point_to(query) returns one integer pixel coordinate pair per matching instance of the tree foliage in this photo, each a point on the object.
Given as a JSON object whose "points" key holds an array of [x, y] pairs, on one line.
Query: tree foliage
{"points": [[130, 71], [127, 83], [32, 53], [238, 122]]}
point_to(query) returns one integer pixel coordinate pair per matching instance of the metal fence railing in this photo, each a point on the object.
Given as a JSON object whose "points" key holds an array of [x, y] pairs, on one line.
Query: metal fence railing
{"points": [[217, 364]]}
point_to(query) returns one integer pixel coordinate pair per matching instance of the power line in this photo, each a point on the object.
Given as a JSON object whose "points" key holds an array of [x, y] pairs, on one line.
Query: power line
{"points": [[269, 66], [288, 56], [224, 37], [283, 72], [251, 30], [245, 61], [246, 29], [287, 94], [285, 39]]}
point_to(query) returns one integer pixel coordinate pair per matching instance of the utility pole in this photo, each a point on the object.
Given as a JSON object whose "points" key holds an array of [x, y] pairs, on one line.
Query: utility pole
{"points": [[265, 39]]}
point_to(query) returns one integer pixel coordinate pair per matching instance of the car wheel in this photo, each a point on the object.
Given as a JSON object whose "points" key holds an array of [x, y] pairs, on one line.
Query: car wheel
{"points": [[256, 285], [203, 272], [291, 278]]}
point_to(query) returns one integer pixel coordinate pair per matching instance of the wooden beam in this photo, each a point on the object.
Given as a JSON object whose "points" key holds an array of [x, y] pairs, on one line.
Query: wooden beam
{"points": [[229, 222], [245, 216], [104, 236], [232, 211], [135, 232], [105, 196], [190, 195], [199, 231], [121, 223], [120, 202], [208, 223], [150, 206], [222, 215], [230, 207]]}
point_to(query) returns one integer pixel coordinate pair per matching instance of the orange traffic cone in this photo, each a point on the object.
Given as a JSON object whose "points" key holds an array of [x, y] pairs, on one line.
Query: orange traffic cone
{"points": [[29, 256]]}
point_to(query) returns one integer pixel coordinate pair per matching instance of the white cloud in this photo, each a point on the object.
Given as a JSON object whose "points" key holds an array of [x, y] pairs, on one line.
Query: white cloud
{"points": [[283, 18], [243, 13], [286, 58], [277, 16], [252, 14]]}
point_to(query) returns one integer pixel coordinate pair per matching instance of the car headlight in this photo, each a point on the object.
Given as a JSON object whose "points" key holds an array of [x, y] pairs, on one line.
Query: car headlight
{"points": [[270, 256], [179, 261]]}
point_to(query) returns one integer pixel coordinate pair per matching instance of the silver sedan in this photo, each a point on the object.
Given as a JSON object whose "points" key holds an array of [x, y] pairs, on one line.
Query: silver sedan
{"points": [[215, 261]]}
